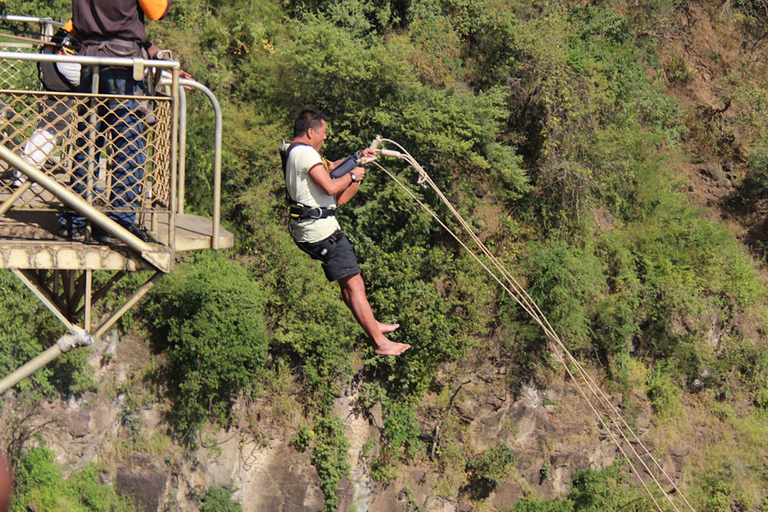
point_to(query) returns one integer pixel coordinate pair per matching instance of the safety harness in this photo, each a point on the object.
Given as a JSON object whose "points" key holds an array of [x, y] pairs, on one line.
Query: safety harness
{"points": [[65, 43], [298, 211]]}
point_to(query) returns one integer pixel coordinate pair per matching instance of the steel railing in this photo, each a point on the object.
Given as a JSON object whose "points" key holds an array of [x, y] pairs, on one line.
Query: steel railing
{"points": [[79, 139]]}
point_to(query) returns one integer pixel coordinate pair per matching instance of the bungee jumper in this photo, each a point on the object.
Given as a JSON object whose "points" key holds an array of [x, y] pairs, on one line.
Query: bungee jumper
{"points": [[315, 189]]}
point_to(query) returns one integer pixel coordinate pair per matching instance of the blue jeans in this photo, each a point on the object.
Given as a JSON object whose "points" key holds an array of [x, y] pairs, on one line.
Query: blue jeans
{"points": [[118, 121]]}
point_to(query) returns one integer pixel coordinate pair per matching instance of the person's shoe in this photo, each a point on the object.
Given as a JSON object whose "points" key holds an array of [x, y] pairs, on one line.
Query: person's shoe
{"points": [[74, 234], [140, 233], [103, 237]]}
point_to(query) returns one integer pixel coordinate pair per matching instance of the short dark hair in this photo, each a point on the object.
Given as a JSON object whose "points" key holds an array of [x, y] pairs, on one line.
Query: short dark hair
{"points": [[308, 118]]}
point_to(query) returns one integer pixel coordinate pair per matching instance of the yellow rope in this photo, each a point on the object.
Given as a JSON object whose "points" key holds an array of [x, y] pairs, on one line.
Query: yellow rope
{"points": [[517, 292]]}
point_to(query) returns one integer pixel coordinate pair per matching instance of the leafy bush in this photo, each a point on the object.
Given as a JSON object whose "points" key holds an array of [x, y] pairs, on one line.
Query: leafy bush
{"points": [[401, 428], [663, 393], [39, 485], [565, 282], [718, 494], [330, 458], [761, 399], [607, 489], [219, 499], [209, 317], [493, 465], [302, 438]]}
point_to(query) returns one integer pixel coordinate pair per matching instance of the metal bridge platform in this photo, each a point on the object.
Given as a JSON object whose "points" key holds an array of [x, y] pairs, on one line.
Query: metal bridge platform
{"points": [[29, 240], [100, 156]]}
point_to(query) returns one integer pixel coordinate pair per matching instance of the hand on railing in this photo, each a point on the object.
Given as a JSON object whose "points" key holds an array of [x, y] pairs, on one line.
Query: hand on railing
{"points": [[155, 52]]}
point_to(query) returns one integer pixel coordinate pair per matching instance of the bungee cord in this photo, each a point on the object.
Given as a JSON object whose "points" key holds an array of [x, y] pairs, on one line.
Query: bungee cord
{"points": [[513, 288]]}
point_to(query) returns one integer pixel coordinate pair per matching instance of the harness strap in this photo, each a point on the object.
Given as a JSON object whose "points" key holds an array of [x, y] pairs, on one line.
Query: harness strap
{"points": [[107, 44], [299, 212]]}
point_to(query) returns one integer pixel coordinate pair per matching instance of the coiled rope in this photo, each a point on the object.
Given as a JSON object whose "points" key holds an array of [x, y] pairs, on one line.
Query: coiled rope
{"points": [[616, 422]]}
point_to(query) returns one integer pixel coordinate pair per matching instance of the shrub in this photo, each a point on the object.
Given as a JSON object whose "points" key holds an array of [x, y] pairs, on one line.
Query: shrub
{"points": [[761, 399], [718, 494], [401, 427], [663, 393], [209, 316], [219, 499], [330, 458], [302, 438], [565, 281], [607, 489], [493, 465], [39, 485], [677, 71]]}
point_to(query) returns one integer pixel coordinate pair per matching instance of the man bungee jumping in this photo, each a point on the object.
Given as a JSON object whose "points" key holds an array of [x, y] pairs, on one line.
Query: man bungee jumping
{"points": [[314, 195]]}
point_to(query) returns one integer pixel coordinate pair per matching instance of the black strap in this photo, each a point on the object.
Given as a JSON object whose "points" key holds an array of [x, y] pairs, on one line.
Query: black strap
{"points": [[301, 212]]}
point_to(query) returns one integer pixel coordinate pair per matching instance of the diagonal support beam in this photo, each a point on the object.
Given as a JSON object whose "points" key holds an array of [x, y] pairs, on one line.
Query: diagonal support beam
{"points": [[77, 337], [43, 295], [136, 297], [75, 201]]}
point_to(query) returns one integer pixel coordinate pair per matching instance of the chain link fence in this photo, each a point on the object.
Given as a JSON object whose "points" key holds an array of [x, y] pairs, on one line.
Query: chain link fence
{"points": [[114, 151]]}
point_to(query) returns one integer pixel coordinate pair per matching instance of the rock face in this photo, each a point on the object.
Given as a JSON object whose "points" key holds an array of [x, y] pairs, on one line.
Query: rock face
{"points": [[145, 486], [549, 430], [550, 442]]}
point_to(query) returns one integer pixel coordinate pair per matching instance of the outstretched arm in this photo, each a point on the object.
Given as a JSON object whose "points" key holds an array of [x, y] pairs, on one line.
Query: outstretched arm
{"points": [[331, 186]]}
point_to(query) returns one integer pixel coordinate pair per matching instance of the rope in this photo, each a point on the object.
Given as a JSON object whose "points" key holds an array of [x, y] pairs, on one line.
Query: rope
{"points": [[520, 295]]}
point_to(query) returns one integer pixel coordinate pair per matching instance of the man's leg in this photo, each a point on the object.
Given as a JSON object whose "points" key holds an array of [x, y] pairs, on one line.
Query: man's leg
{"points": [[128, 156], [353, 293], [383, 328]]}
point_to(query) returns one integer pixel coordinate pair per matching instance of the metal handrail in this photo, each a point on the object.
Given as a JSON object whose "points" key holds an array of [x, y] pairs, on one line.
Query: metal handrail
{"points": [[219, 123], [178, 172], [30, 19], [135, 63]]}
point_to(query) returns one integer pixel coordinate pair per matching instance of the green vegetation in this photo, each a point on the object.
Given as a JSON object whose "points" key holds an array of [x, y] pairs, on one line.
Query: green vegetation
{"points": [[566, 132], [592, 491], [210, 316], [493, 465], [330, 457], [219, 499], [39, 486]]}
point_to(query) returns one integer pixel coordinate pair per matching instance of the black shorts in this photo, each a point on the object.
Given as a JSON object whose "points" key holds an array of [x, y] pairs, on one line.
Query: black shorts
{"points": [[336, 254]]}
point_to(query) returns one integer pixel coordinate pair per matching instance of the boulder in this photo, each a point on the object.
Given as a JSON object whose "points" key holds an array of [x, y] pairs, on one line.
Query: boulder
{"points": [[145, 486]]}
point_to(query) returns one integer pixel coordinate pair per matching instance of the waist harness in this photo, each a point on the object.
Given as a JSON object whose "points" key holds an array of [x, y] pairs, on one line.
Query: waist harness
{"points": [[65, 43], [131, 47], [301, 212]]}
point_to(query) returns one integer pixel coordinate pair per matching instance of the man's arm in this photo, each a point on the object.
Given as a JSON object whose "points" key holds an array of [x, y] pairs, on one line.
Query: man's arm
{"points": [[332, 187], [348, 193]]}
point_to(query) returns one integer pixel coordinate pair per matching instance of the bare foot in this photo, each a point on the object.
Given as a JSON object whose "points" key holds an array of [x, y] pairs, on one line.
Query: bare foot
{"points": [[387, 328], [391, 348]]}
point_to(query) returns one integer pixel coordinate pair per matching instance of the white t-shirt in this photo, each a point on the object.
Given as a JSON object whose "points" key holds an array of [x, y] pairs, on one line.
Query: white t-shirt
{"points": [[303, 189]]}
